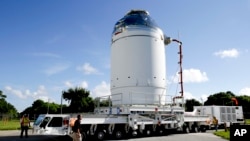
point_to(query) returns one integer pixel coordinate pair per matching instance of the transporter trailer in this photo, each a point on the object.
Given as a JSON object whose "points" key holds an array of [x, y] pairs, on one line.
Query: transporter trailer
{"points": [[139, 105], [124, 122]]}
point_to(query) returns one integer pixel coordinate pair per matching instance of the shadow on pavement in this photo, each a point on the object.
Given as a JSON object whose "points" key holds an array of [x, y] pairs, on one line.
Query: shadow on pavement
{"points": [[37, 138]]}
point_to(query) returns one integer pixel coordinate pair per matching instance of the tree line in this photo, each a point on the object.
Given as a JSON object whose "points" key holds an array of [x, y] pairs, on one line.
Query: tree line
{"points": [[79, 100], [6, 108]]}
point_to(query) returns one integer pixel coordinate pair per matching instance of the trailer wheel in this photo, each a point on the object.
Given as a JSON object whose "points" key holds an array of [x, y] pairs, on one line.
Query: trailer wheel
{"points": [[160, 131], [147, 132], [84, 136], [134, 134], [203, 128], [195, 129], [118, 134], [186, 129], [100, 135]]}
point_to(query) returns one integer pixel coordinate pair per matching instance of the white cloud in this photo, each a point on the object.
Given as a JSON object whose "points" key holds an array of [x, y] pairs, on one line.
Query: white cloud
{"points": [[40, 92], [245, 91], [88, 69], [230, 53], [192, 75], [102, 89], [18, 93], [83, 84], [68, 84], [56, 69], [201, 99], [188, 95]]}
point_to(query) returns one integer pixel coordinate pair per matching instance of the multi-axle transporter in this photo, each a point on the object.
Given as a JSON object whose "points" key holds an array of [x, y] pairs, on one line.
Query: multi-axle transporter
{"points": [[139, 104]]}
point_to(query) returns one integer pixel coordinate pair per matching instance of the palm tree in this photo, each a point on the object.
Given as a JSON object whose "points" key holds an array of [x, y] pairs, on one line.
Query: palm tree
{"points": [[2, 96], [79, 100]]}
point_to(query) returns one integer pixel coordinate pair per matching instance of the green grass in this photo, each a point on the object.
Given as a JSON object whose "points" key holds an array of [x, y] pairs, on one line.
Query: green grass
{"points": [[226, 135], [223, 134], [247, 121], [9, 124]]}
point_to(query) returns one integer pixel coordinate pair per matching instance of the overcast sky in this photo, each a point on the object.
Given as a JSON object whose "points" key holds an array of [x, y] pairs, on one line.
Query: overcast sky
{"points": [[49, 46]]}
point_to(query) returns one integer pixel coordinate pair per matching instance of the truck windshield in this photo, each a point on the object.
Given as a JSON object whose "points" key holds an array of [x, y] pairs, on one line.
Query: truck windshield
{"points": [[138, 17], [39, 119], [45, 122]]}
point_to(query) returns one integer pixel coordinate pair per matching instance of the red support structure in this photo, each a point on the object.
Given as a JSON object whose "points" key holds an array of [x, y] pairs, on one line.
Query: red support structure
{"points": [[180, 72]]}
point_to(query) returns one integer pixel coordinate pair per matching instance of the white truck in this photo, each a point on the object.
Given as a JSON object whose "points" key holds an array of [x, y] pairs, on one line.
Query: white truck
{"points": [[225, 114], [55, 124], [139, 104]]}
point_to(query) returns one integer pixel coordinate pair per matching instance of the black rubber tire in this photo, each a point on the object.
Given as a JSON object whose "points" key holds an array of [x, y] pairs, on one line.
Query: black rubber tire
{"points": [[203, 129], [196, 129], [148, 132], [84, 136], [100, 135], [118, 134], [134, 134], [186, 129]]}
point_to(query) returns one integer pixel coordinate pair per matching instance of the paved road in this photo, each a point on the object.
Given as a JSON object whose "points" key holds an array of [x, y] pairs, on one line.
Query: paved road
{"points": [[182, 137], [14, 136]]}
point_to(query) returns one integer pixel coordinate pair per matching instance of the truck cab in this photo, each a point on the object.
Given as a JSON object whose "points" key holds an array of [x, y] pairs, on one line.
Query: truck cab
{"points": [[53, 124]]}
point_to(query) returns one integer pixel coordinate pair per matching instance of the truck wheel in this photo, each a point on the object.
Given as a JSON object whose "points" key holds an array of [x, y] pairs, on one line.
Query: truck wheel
{"points": [[100, 135], [118, 134]]}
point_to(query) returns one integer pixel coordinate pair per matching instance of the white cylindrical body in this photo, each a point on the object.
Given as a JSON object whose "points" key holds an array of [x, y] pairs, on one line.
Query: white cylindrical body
{"points": [[138, 66]]}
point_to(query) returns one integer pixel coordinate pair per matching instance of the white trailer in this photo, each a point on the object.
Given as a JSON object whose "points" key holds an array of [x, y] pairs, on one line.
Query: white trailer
{"points": [[139, 104], [225, 114], [123, 121]]}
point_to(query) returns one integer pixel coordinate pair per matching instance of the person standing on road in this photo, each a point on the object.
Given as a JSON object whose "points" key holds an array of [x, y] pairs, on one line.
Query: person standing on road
{"points": [[215, 122], [77, 129], [25, 123]]}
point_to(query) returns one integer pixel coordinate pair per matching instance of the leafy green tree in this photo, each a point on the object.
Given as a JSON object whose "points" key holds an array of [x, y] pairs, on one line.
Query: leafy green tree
{"points": [[6, 107], [79, 100], [40, 107], [2, 96], [102, 103], [221, 98], [53, 108], [28, 110], [244, 101], [190, 103]]}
